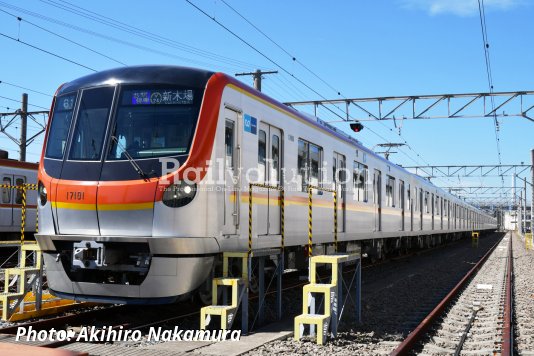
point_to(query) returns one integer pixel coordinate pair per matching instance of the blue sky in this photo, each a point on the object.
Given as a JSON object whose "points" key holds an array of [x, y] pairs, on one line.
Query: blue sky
{"points": [[360, 48]]}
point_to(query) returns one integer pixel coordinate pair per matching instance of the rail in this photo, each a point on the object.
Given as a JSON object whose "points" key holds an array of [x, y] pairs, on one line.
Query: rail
{"points": [[507, 347], [411, 341], [310, 216]]}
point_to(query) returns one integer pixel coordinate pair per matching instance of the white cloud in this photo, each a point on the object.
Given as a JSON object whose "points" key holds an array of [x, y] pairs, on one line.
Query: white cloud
{"points": [[459, 7]]}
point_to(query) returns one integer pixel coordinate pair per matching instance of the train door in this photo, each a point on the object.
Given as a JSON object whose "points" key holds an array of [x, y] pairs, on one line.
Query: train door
{"points": [[269, 173], [6, 200], [377, 199], [402, 203], [232, 161], [340, 180]]}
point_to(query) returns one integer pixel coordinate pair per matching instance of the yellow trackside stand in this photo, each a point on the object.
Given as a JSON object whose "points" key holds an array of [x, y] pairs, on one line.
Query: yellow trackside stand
{"points": [[474, 238], [332, 292], [528, 241], [239, 293]]}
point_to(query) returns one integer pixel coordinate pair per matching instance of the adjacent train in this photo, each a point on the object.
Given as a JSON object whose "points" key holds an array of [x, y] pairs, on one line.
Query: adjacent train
{"points": [[14, 173], [144, 179]]}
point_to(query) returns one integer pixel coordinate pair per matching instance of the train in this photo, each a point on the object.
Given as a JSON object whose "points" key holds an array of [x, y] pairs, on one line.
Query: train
{"points": [[15, 173], [145, 175]]}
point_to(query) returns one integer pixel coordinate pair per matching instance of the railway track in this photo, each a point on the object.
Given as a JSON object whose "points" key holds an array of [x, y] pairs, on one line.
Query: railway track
{"points": [[476, 316]]}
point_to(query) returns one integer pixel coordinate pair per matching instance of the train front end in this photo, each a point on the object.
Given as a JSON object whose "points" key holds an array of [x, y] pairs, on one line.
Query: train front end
{"points": [[118, 220]]}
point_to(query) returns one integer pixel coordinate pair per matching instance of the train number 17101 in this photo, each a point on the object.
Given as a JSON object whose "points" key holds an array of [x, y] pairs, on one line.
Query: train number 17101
{"points": [[75, 195]]}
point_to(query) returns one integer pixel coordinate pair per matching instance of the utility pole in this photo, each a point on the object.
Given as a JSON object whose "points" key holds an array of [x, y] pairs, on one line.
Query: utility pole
{"points": [[23, 127], [532, 197], [257, 75]]}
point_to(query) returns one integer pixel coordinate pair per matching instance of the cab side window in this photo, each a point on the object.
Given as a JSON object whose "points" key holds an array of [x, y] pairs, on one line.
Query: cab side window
{"points": [[6, 192]]}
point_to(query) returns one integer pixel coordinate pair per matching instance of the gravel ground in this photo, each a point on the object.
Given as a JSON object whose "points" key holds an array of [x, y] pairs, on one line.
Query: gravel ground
{"points": [[396, 296], [523, 297]]}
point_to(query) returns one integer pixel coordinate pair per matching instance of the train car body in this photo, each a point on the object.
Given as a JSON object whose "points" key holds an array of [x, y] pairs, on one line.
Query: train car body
{"points": [[145, 174], [15, 173]]}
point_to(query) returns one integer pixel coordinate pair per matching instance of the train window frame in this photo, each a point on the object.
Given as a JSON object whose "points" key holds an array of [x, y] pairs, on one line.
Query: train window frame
{"points": [[52, 139], [150, 153], [305, 167], [390, 191], [359, 171], [408, 197], [275, 152], [6, 192], [77, 121], [18, 194], [262, 154], [426, 202], [229, 143]]}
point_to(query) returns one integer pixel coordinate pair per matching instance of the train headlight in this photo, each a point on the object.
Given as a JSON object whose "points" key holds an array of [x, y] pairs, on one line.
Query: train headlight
{"points": [[43, 197], [180, 194]]}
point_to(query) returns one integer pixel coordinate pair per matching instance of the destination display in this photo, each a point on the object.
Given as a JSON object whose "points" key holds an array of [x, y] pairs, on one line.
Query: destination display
{"points": [[158, 97]]}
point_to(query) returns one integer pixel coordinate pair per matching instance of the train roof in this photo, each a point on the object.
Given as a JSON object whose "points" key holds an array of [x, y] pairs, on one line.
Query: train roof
{"points": [[156, 74], [18, 164]]}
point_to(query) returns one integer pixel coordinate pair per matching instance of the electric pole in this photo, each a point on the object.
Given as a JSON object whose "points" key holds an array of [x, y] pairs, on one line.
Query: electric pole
{"points": [[23, 127], [23, 141], [257, 75], [532, 197]]}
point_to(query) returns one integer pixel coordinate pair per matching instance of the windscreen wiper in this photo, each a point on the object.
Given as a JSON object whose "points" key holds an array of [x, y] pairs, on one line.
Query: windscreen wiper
{"points": [[134, 164]]}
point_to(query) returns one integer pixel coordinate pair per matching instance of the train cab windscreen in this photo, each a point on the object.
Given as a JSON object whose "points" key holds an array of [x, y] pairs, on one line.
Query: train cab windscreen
{"points": [[153, 123], [149, 122]]}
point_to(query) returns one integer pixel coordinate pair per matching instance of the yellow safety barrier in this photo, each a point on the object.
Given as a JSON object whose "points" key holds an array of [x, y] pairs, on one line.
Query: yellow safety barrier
{"points": [[528, 241], [474, 238], [27, 300], [24, 188], [282, 212], [310, 216]]}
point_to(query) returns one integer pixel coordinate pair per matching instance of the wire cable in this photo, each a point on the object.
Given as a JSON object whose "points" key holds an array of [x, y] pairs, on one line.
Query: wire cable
{"points": [[47, 52]]}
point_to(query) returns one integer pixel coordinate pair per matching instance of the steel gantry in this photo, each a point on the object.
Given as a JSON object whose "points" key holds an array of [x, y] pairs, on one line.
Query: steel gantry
{"points": [[440, 106], [479, 170], [478, 189]]}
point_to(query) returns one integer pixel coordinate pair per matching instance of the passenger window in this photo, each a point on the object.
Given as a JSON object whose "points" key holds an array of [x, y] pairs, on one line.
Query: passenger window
{"points": [[359, 178], [309, 159], [262, 154], [315, 161], [302, 165], [6, 192], [390, 191], [229, 143], [19, 182], [275, 154], [334, 170], [408, 198]]}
